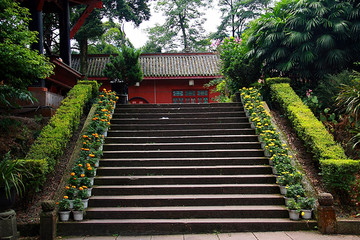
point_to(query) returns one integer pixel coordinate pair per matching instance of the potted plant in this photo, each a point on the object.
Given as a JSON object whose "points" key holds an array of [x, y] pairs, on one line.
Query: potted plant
{"points": [[294, 209], [78, 210], [71, 192], [295, 191], [83, 195], [306, 205], [64, 209], [86, 184], [10, 181]]}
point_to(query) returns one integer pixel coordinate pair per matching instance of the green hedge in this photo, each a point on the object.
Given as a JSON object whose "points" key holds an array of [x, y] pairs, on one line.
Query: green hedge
{"points": [[270, 81], [53, 139], [317, 139]]}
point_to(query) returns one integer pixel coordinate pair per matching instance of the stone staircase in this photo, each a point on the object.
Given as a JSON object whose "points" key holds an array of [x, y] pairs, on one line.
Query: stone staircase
{"points": [[186, 168]]}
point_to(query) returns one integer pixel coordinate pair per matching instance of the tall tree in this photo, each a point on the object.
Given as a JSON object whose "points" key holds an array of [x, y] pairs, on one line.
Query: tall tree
{"points": [[183, 25], [91, 29], [236, 14], [110, 41], [19, 65], [124, 69], [134, 11]]}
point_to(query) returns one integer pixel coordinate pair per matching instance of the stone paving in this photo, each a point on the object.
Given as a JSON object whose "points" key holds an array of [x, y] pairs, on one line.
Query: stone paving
{"points": [[300, 235]]}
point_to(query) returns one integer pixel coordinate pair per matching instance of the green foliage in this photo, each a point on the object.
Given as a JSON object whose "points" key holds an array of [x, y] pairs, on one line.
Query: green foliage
{"points": [[8, 94], [78, 205], [329, 87], [293, 205], [94, 86], [348, 99], [306, 203], [339, 174], [134, 11], [64, 204], [125, 68], [240, 70], [54, 137], [313, 133], [183, 27], [307, 39], [37, 169], [15, 52], [11, 176], [270, 81], [235, 15], [295, 191]]}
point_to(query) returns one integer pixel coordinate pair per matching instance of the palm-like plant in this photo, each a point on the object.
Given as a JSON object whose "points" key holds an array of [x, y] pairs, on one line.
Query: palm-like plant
{"points": [[308, 38]]}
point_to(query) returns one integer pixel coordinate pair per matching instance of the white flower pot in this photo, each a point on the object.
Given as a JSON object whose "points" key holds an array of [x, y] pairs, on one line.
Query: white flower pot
{"points": [[306, 214], [85, 202], [283, 190], [78, 215], [71, 203], [91, 180], [97, 164], [89, 191], [64, 216], [294, 215]]}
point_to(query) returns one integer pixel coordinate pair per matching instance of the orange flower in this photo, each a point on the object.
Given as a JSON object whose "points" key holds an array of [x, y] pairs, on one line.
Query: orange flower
{"points": [[73, 187], [80, 188], [84, 136], [82, 175], [80, 165], [57, 203], [91, 155], [67, 187], [72, 174], [84, 143], [86, 149], [66, 197], [85, 187], [89, 168], [108, 123]]}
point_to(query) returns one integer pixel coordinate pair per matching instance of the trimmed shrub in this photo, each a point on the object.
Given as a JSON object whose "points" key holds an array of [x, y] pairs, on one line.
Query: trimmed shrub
{"points": [[338, 171], [270, 81], [53, 139], [340, 174]]}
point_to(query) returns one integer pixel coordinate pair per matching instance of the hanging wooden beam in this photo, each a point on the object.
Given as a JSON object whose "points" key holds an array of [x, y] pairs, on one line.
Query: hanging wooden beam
{"points": [[40, 5], [85, 14]]}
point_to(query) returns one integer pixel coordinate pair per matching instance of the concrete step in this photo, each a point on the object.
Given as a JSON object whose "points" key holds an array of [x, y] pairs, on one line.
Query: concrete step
{"points": [[172, 115], [186, 200], [175, 109], [184, 179], [185, 153], [181, 146], [179, 226], [161, 126], [177, 161], [187, 132], [184, 105], [176, 212], [193, 119], [184, 139], [186, 189], [185, 170]]}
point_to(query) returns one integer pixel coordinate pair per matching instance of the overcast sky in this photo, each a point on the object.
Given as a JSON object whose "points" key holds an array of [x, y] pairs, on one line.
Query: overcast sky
{"points": [[138, 36]]}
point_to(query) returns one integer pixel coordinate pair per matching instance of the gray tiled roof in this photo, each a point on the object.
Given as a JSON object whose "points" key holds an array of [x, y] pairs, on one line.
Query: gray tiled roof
{"points": [[161, 65]]}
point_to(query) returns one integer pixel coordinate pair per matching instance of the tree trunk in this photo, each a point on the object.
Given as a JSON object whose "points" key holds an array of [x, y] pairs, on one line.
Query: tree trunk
{"points": [[183, 32], [83, 56]]}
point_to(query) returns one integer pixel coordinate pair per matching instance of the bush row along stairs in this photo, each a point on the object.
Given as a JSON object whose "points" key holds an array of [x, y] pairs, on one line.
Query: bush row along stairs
{"points": [[187, 168]]}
